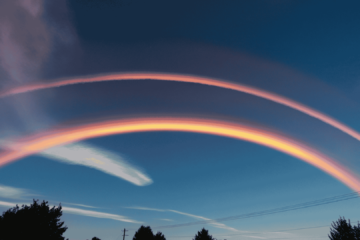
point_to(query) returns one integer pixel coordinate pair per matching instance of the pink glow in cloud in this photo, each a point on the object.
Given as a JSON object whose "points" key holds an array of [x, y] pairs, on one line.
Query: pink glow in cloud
{"points": [[25, 38]]}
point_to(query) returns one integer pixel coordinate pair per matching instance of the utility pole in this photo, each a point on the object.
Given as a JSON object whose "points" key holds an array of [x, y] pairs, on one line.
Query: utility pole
{"points": [[124, 234]]}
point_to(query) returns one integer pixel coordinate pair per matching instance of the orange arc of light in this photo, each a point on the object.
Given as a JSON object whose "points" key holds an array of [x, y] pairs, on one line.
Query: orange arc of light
{"points": [[192, 79], [289, 146]]}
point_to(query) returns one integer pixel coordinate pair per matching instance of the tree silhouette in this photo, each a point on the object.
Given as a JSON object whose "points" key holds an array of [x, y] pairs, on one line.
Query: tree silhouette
{"points": [[144, 233], [159, 236], [203, 235], [37, 221], [357, 231], [342, 230], [95, 238]]}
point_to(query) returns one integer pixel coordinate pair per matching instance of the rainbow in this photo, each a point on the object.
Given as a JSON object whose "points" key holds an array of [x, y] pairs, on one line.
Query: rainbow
{"points": [[190, 79], [45, 140]]}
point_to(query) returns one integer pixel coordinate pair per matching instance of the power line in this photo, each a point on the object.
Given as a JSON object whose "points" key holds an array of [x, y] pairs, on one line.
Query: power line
{"points": [[315, 203], [285, 230], [297, 229]]}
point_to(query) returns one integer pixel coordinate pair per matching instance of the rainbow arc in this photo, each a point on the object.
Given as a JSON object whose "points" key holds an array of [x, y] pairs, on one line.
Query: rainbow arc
{"points": [[290, 146]]}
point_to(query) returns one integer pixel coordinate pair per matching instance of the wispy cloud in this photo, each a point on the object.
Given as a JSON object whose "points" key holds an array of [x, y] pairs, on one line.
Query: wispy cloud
{"points": [[80, 205], [239, 233], [263, 235], [148, 209], [24, 41], [82, 212], [96, 214], [93, 157], [8, 204], [100, 159], [257, 237], [27, 41], [11, 192], [213, 223]]}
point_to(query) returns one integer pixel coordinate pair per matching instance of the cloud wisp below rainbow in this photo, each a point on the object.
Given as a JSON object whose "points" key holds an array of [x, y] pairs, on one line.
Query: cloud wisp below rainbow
{"points": [[61, 136], [189, 79], [97, 158], [94, 157]]}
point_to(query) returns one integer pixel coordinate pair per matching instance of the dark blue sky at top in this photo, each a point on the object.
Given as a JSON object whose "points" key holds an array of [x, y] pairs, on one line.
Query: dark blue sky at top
{"points": [[320, 38]]}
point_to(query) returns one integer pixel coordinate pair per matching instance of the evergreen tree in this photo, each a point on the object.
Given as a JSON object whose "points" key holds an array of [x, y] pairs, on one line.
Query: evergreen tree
{"points": [[144, 233], [203, 235], [37, 221], [159, 236], [357, 231], [342, 230]]}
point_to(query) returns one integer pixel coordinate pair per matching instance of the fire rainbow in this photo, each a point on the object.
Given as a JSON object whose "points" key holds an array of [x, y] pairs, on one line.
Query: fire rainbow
{"points": [[189, 79], [40, 142]]}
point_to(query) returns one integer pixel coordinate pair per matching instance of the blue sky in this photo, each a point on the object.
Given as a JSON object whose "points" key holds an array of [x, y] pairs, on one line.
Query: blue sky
{"points": [[303, 50]]}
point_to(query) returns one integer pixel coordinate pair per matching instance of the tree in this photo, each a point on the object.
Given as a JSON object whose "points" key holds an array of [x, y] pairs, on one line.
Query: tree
{"points": [[159, 236], [357, 231], [95, 238], [203, 235], [342, 230], [37, 221], [144, 233]]}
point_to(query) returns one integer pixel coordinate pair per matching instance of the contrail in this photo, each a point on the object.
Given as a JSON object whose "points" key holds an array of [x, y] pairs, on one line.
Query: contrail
{"points": [[40, 142], [190, 79]]}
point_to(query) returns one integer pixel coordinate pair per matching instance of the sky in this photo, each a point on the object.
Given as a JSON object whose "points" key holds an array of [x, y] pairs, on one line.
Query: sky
{"points": [[179, 115]]}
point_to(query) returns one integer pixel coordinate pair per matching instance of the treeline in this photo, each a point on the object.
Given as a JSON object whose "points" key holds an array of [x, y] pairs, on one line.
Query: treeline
{"points": [[145, 233], [39, 221]]}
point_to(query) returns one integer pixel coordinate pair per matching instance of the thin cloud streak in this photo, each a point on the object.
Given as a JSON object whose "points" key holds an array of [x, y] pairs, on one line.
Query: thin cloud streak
{"points": [[41, 142], [97, 158], [214, 223], [11, 192], [80, 205], [7, 204], [82, 212], [147, 209], [264, 235], [255, 237], [93, 157], [95, 214], [191, 79]]}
